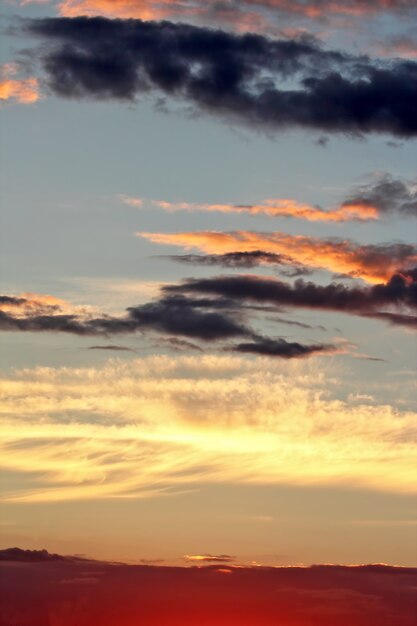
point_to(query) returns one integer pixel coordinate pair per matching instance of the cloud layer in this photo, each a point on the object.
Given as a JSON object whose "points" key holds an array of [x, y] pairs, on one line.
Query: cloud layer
{"points": [[220, 594], [154, 426], [274, 84]]}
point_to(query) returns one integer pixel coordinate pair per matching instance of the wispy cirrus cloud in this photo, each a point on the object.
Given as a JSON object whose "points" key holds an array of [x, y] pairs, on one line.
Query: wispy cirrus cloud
{"points": [[157, 425], [283, 264], [373, 263], [274, 207], [383, 196]]}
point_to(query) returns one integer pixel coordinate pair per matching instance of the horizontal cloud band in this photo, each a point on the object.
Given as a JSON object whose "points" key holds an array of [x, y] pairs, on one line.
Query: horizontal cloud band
{"points": [[247, 78], [373, 262], [379, 198]]}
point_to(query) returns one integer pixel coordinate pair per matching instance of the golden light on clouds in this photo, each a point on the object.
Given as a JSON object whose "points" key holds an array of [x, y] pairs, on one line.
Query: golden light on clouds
{"points": [[274, 207], [20, 90], [341, 256], [161, 425]]}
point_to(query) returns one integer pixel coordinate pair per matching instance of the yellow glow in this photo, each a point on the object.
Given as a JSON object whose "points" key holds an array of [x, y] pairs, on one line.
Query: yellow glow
{"points": [[160, 425]]}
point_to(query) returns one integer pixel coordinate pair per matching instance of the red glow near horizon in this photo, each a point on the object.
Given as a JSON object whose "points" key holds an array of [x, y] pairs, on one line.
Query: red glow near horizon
{"points": [[62, 591]]}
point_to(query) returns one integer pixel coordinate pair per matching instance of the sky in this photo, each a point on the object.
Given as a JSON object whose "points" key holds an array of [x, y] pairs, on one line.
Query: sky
{"points": [[209, 291]]}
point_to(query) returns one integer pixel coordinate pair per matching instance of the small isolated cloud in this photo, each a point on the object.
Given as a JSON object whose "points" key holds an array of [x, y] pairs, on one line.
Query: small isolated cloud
{"points": [[283, 349], [15, 89], [209, 558]]}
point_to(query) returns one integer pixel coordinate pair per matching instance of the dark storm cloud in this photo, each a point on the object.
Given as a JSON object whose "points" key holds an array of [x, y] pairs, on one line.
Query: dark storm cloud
{"points": [[282, 348], [387, 195], [248, 78]]}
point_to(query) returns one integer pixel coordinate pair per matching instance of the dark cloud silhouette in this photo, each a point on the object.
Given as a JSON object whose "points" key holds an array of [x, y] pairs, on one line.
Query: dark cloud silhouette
{"points": [[15, 301], [282, 320], [175, 315], [179, 316], [218, 594], [247, 78], [388, 195], [282, 348], [399, 292], [33, 556], [50, 323], [201, 319], [397, 319], [112, 348], [245, 260]]}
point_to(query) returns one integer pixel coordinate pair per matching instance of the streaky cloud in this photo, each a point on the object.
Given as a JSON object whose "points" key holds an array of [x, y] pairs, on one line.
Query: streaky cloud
{"points": [[385, 195], [154, 426], [282, 348], [371, 262]]}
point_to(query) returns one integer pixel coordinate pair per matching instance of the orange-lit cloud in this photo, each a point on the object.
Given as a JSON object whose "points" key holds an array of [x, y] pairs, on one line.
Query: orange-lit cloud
{"points": [[274, 207], [25, 304], [405, 47], [209, 558], [141, 9], [371, 263], [247, 12], [158, 425], [14, 89]]}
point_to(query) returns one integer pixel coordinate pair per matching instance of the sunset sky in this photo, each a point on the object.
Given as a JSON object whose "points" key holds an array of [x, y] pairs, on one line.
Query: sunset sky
{"points": [[209, 284]]}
